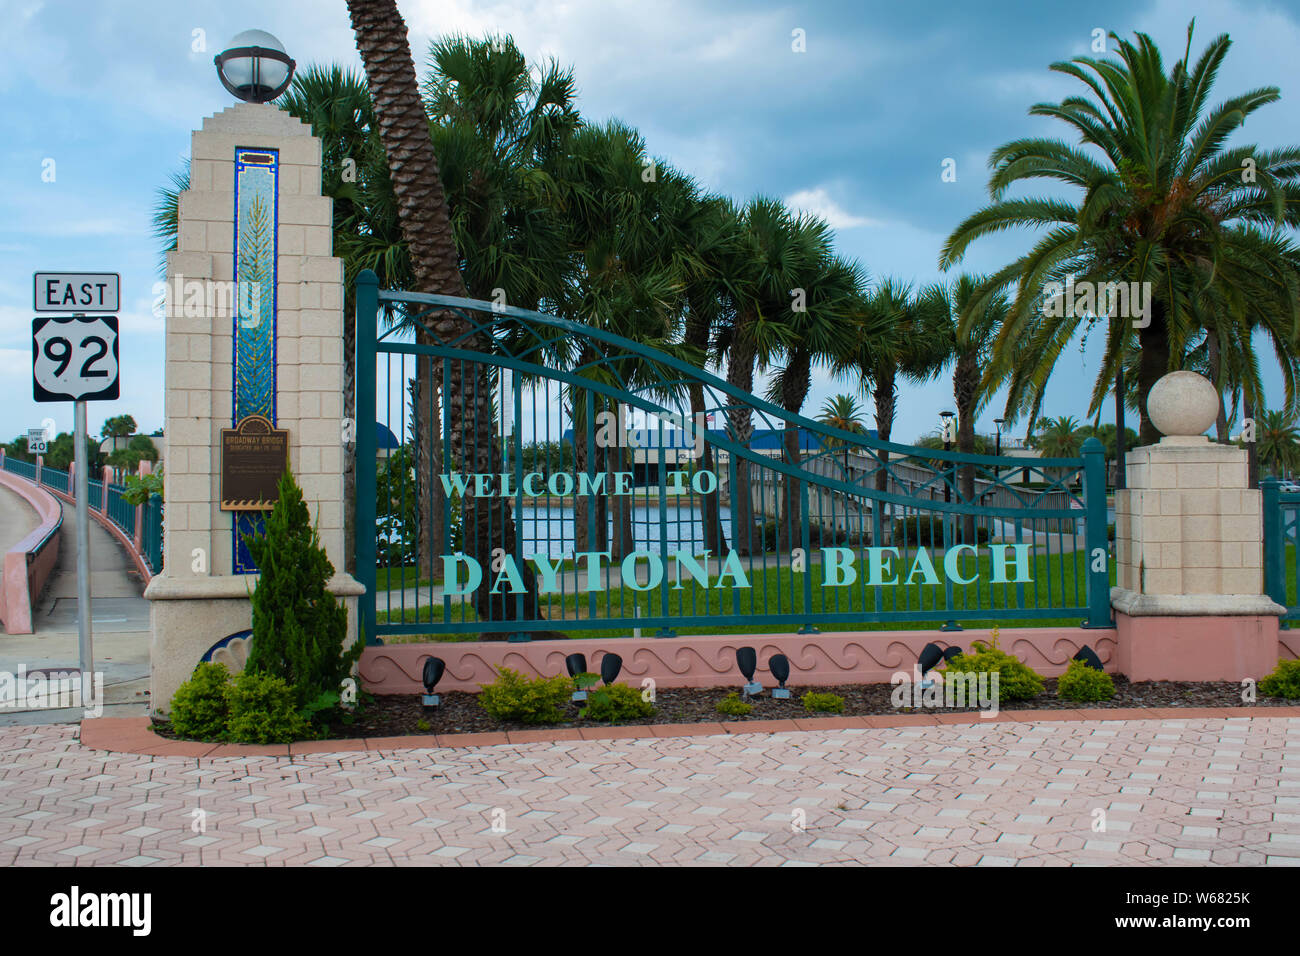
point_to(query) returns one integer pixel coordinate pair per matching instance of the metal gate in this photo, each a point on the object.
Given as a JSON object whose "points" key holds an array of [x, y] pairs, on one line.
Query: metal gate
{"points": [[621, 491]]}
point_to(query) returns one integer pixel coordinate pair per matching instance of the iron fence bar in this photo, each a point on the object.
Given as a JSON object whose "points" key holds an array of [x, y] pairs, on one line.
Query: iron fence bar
{"points": [[367, 319]]}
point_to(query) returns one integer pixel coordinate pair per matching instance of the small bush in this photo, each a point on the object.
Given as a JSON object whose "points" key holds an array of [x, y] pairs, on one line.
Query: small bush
{"points": [[264, 710], [816, 703], [515, 697], [1016, 680], [1082, 683], [1284, 681], [616, 702], [199, 707], [733, 706]]}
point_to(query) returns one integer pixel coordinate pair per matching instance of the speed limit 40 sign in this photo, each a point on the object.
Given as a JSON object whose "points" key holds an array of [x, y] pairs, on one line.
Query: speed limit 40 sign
{"points": [[74, 358]]}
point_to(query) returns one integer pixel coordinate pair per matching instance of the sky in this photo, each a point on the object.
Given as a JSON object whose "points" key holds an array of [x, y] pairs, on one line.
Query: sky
{"points": [[100, 96]]}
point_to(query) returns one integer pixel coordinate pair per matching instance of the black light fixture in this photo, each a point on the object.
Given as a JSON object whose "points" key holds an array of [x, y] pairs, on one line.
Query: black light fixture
{"points": [[255, 67], [779, 665], [577, 664], [999, 422], [433, 670], [747, 661], [1089, 657], [610, 665], [951, 652], [928, 660]]}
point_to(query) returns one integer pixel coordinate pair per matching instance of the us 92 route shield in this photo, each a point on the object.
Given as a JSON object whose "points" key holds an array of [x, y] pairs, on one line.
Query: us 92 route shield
{"points": [[74, 358]]}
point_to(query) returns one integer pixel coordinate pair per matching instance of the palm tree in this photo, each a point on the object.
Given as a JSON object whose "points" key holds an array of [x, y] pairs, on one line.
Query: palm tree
{"points": [[971, 336], [832, 287], [1278, 439], [436, 267], [1160, 206], [895, 334], [843, 412], [1059, 437]]}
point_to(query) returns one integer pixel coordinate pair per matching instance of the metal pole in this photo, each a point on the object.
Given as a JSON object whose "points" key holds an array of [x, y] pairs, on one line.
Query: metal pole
{"points": [[82, 482]]}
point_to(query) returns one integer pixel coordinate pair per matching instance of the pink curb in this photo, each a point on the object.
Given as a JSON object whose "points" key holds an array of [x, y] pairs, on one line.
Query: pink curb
{"points": [[135, 735]]}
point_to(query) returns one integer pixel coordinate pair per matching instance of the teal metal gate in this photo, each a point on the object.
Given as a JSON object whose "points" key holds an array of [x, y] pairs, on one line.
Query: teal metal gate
{"points": [[533, 477]]}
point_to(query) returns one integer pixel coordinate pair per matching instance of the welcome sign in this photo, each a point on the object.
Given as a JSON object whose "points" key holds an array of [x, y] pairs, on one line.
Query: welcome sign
{"points": [[882, 566]]}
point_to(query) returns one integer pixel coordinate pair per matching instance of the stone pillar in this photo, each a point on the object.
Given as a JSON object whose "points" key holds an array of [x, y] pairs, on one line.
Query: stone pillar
{"points": [[201, 596], [1188, 537]]}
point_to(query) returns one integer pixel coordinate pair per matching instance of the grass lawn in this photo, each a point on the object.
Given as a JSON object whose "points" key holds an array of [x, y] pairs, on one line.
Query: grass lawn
{"points": [[1058, 580]]}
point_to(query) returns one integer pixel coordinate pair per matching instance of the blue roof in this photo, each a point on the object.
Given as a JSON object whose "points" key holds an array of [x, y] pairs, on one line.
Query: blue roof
{"points": [[385, 440]]}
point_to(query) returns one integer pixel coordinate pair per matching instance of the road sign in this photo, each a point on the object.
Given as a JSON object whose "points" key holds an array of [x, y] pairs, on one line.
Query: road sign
{"points": [[36, 441], [77, 291], [74, 358]]}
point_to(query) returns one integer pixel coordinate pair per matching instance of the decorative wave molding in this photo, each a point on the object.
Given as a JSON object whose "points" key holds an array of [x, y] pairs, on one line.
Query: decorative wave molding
{"points": [[704, 661]]}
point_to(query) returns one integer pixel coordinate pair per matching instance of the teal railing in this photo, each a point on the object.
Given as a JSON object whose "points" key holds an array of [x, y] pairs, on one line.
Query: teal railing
{"points": [[120, 512], [763, 519], [1281, 533]]}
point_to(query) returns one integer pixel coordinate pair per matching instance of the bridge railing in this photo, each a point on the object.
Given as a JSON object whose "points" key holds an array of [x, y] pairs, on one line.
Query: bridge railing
{"points": [[140, 527]]}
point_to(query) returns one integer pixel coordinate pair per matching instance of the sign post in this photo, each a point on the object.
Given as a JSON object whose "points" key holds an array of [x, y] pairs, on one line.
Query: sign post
{"points": [[74, 358]]}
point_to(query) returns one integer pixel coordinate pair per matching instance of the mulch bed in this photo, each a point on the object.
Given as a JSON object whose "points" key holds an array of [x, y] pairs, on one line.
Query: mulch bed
{"points": [[397, 715], [394, 715]]}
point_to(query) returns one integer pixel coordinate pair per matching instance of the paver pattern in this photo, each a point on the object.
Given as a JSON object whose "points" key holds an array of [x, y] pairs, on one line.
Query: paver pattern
{"points": [[1195, 791]]}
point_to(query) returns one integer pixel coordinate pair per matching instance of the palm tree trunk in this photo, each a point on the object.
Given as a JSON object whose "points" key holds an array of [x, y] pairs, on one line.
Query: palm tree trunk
{"points": [[965, 378], [1216, 375], [886, 405], [740, 373], [796, 380], [423, 213], [1153, 364]]}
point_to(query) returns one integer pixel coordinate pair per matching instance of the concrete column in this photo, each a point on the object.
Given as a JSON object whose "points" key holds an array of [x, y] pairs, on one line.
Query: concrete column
{"points": [[197, 599], [1189, 599]]}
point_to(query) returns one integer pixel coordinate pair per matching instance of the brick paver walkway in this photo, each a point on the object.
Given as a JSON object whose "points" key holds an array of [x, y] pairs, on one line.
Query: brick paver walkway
{"points": [[1189, 791]]}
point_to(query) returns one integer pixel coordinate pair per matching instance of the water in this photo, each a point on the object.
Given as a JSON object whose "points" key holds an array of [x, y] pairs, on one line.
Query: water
{"points": [[550, 530]]}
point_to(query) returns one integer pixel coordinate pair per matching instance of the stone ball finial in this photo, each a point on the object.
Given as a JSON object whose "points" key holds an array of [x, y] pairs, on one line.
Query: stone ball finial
{"points": [[1183, 405]]}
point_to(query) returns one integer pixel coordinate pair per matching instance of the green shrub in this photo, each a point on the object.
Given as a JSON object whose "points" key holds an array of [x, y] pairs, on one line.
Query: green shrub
{"points": [[199, 707], [1016, 680], [264, 710], [298, 626], [616, 702], [1284, 681], [1083, 683], [733, 706], [515, 697], [814, 702]]}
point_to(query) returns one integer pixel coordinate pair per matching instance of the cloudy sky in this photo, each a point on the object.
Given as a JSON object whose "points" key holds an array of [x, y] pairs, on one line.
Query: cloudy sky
{"points": [[103, 94]]}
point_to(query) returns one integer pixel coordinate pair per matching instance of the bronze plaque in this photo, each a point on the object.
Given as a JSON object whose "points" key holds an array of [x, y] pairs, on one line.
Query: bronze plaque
{"points": [[254, 455]]}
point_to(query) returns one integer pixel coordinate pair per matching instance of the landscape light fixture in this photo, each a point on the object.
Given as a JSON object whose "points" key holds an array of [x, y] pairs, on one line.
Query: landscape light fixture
{"points": [[1089, 657], [779, 665], [747, 661], [255, 67], [610, 665], [433, 670], [999, 422], [928, 660], [577, 664]]}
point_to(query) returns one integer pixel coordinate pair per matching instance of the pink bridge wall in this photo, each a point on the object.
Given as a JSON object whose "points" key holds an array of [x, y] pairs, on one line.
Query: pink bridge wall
{"points": [[22, 583], [837, 657]]}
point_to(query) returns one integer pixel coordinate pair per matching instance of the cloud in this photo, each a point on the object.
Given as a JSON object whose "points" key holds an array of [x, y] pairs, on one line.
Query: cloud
{"points": [[818, 202]]}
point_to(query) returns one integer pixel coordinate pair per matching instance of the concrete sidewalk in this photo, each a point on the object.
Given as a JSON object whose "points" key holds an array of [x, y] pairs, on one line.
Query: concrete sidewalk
{"points": [[119, 623], [1042, 793]]}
